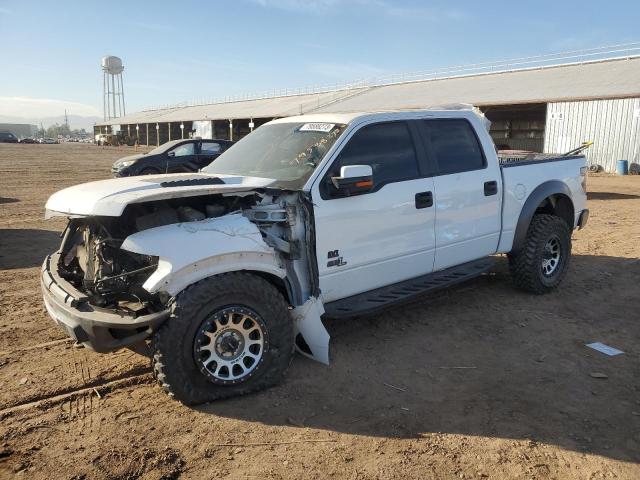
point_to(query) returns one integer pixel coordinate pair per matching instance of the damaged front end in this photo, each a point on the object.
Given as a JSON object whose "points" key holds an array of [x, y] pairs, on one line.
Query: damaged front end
{"points": [[93, 262], [111, 282], [94, 288]]}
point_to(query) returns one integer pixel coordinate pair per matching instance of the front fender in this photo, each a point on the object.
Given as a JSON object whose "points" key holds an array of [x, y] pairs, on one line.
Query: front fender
{"points": [[191, 251]]}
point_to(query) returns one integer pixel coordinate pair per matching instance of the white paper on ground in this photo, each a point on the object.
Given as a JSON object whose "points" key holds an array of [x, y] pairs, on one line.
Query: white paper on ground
{"points": [[606, 349]]}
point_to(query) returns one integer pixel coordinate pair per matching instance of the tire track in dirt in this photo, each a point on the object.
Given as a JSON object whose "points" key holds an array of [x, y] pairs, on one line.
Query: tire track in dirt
{"points": [[56, 368], [35, 347], [69, 391], [98, 389]]}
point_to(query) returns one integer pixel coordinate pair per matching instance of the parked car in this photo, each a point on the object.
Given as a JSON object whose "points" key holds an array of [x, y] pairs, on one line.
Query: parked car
{"points": [[176, 156], [224, 271], [48, 140], [7, 137], [28, 140]]}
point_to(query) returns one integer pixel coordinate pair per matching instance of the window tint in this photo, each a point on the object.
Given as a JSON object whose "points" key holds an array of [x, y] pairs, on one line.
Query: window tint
{"points": [[386, 147], [210, 147], [455, 146], [186, 149]]}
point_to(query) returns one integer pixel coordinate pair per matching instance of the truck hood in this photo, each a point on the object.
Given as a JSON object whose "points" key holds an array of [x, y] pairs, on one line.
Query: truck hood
{"points": [[110, 197]]}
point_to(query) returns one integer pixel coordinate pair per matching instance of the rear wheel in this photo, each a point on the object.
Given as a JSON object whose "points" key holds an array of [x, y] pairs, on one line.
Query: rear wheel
{"points": [[541, 264], [227, 335]]}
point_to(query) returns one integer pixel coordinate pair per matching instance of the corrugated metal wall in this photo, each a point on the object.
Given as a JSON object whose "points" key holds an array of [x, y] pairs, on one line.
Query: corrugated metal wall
{"points": [[612, 125]]}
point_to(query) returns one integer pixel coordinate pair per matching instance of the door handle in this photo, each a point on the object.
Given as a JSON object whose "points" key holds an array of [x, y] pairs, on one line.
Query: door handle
{"points": [[424, 199], [490, 188]]}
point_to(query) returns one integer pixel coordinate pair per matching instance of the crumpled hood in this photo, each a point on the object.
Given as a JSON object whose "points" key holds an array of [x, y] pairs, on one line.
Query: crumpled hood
{"points": [[110, 197]]}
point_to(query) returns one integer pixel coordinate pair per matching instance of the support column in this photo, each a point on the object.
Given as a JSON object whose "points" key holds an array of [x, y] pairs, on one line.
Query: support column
{"points": [[147, 134], [169, 126], [182, 130], [157, 134], [251, 125], [231, 130]]}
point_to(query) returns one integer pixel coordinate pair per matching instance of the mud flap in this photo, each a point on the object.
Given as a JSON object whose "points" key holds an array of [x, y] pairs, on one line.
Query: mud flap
{"points": [[308, 325]]}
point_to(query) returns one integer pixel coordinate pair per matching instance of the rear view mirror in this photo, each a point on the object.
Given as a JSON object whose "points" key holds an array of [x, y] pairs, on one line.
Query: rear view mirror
{"points": [[354, 179], [171, 154]]}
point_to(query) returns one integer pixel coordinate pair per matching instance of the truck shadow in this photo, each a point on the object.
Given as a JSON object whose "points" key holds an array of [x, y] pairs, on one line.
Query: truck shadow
{"points": [[610, 196], [26, 247], [482, 359]]}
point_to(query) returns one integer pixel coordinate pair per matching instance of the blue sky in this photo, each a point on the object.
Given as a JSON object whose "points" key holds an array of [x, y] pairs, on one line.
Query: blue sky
{"points": [[194, 50]]}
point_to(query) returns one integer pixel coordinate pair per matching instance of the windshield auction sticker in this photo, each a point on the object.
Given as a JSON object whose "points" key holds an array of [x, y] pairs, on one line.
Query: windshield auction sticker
{"points": [[317, 127]]}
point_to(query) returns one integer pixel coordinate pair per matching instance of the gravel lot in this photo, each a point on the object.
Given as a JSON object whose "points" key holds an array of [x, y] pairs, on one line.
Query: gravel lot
{"points": [[394, 403]]}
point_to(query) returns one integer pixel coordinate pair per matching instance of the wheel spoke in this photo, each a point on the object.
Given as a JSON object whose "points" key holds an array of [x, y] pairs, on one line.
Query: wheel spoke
{"points": [[552, 253]]}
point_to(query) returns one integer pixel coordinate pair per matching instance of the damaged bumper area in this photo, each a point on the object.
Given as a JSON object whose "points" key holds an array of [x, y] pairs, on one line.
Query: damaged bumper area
{"points": [[99, 329]]}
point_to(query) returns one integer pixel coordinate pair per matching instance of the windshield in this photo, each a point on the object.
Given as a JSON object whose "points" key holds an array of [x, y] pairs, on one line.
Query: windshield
{"points": [[164, 147], [286, 152]]}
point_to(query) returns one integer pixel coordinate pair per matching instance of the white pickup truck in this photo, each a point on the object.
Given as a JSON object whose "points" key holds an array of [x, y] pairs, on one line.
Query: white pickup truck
{"points": [[220, 274]]}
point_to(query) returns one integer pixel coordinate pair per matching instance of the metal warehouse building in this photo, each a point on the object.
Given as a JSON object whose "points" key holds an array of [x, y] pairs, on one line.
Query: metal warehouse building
{"points": [[544, 108]]}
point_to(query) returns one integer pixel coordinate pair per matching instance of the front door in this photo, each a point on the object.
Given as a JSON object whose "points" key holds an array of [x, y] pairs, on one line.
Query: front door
{"points": [[383, 236], [183, 158]]}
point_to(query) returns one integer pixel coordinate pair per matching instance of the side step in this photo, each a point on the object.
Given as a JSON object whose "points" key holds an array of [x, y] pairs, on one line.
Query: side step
{"points": [[379, 298]]}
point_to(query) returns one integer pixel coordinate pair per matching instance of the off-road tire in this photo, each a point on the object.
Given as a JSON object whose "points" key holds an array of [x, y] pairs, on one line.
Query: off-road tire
{"points": [[526, 264], [173, 362]]}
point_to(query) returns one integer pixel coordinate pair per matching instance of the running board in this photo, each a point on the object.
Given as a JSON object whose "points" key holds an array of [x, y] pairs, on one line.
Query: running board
{"points": [[379, 298]]}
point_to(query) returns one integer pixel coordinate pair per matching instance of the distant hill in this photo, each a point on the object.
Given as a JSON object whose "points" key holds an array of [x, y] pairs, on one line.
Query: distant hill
{"points": [[75, 121]]}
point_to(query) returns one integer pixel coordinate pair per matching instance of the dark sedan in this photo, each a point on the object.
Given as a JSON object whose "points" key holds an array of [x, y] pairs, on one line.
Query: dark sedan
{"points": [[177, 156]]}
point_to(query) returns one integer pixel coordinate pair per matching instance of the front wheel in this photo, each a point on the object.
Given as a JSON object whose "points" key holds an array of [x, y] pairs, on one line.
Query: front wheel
{"points": [[542, 262], [227, 335]]}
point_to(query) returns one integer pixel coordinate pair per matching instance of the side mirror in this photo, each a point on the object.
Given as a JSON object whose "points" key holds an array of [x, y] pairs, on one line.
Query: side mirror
{"points": [[353, 180], [171, 154]]}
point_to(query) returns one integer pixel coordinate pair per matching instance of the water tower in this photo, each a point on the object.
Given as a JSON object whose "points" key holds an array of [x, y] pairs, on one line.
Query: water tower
{"points": [[112, 87]]}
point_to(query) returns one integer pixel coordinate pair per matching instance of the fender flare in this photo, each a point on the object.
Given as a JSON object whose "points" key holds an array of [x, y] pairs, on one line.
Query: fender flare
{"points": [[173, 279], [534, 200]]}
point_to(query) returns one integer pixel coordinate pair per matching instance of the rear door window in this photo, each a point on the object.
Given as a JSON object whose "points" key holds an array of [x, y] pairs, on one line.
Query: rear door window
{"points": [[454, 145], [210, 147]]}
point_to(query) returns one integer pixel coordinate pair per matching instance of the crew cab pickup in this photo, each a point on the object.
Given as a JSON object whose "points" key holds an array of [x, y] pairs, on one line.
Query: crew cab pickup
{"points": [[218, 275]]}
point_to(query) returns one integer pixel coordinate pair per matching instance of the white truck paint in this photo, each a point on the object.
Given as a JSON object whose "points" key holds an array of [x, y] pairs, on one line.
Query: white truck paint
{"points": [[318, 248]]}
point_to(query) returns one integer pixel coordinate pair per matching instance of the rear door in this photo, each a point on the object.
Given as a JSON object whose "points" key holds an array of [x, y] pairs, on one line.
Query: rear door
{"points": [[383, 236], [468, 193], [209, 151]]}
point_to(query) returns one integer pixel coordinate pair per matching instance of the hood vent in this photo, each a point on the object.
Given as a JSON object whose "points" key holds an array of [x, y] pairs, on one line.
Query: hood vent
{"points": [[192, 181]]}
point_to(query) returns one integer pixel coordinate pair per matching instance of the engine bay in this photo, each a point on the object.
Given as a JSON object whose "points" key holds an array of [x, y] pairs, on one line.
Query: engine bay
{"points": [[93, 262]]}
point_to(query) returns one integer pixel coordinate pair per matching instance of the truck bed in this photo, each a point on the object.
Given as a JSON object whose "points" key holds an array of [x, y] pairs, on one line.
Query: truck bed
{"points": [[519, 159], [535, 169]]}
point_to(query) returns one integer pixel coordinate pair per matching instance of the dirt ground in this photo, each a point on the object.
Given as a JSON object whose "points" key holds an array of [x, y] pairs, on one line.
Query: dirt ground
{"points": [[478, 381]]}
